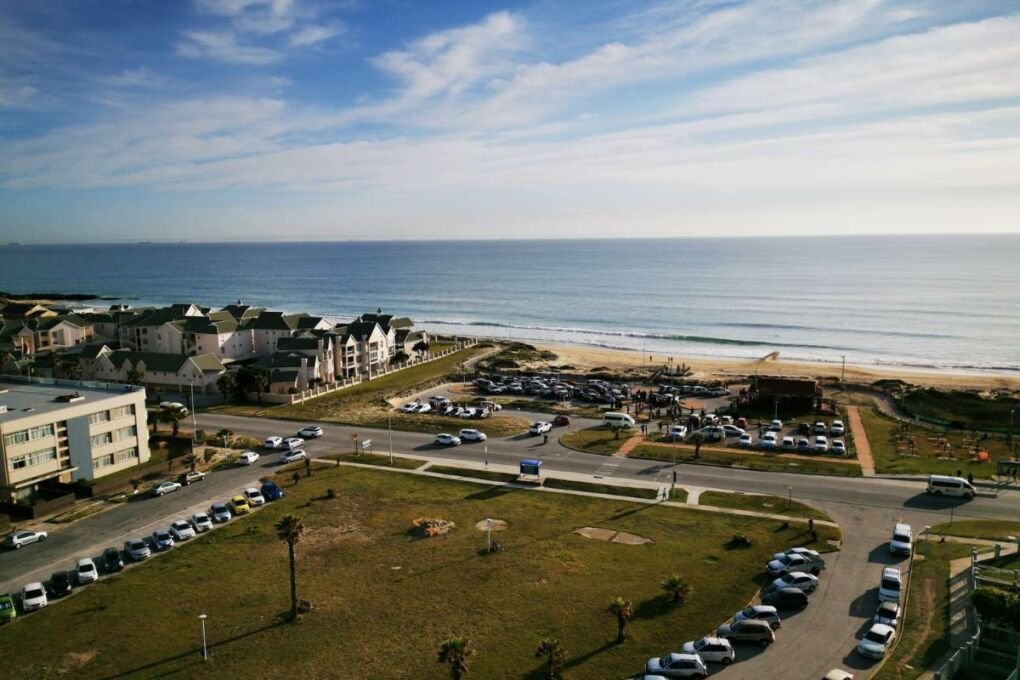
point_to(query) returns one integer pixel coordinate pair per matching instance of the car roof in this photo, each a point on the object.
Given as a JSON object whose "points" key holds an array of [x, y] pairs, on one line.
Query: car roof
{"points": [[881, 628], [238, 497], [33, 584], [85, 560], [716, 640], [890, 572], [764, 608]]}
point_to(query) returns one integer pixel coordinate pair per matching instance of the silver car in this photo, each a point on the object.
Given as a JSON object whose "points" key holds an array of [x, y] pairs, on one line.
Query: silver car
{"points": [[137, 549]]}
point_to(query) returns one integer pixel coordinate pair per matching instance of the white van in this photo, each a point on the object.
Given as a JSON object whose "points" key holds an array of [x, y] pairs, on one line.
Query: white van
{"points": [[950, 486], [617, 420], [902, 540]]}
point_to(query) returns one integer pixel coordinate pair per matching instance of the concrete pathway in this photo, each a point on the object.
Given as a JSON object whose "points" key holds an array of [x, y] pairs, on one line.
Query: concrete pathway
{"points": [[863, 448]]}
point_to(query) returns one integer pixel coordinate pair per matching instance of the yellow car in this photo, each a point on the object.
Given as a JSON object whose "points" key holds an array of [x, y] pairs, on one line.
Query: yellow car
{"points": [[239, 505]]}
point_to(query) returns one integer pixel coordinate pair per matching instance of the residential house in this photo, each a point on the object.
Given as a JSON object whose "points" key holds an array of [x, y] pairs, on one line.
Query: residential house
{"points": [[219, 334], [363, 349], [269, 328], [16, 336], [291, 371], [24, 310], [317, 345], [160, 331], [176, 371], [54, 332]]}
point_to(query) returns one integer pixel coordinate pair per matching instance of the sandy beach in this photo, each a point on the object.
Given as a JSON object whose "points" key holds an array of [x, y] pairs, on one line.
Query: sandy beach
{"points": [[585, 357]]}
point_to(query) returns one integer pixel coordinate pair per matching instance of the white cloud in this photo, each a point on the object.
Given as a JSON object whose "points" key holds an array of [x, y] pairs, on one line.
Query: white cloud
{"points": [[224, 47], [313, 35], [141, 77], [13, 95]]}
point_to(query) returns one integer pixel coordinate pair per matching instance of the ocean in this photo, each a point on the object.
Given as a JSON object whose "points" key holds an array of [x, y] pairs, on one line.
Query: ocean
{"points": [[940, 302]]}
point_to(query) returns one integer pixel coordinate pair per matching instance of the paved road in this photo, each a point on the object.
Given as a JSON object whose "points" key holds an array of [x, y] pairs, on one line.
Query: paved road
{"points": [[809, 644]]}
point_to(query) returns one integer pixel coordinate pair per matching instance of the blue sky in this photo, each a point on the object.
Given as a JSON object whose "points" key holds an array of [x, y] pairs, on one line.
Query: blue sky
{"points": [[306, 119]]}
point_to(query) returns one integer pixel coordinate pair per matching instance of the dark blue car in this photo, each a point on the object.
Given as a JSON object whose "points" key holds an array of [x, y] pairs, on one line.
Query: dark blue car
{"points": [[271, 492]]}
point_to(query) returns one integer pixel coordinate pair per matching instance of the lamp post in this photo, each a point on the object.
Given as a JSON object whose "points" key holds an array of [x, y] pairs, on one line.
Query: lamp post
{"points": [[194, 421], [389, 431], [789, 498], [205, 648], [672, 485]]}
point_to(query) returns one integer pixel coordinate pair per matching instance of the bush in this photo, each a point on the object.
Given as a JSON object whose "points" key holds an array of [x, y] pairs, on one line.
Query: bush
{"points": [[997, 606]]}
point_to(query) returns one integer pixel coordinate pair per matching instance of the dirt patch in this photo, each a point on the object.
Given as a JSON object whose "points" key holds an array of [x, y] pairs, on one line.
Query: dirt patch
{"points": [[922, 619], [496, 524], [614, 536], [75, 660], [322, 538]]}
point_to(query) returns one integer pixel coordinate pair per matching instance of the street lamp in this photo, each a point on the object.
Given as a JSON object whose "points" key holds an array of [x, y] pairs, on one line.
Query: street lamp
{"points": [[672, 485], [194, 422], [389, 431], [205, 648]]}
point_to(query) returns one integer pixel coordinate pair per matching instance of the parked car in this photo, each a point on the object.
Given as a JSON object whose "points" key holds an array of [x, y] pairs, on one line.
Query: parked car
{"points": [[839, 447], [310, 432], [760, 612], [810, 553], [271, 492], [783, 565], [58, 585], [7, 611], [33, 596], [561, 421], [785, 598], [876, 641], [769, 440], [797, 579], [273, 442], [137, 549], [446, 440], [821, 444], [85, 571], [803, 444], [888, 613], [838, 674], [293, 443], [162, 539], [21, 538], [837, 429], [220, 513], [746, 441], [112, 561], [820, 427], [677, 433], [182, 530], [254, 497], [749, 630], [422, 408], [239, 506], [789, 444], [711, 649], [187, 478], [902, 541], [248, 458], [677, 666], [732, 430], [891, 585], [202, 522], [469, 435], [164, 488], [293, 456], [409, 407], [540, 427], [776, 426]]}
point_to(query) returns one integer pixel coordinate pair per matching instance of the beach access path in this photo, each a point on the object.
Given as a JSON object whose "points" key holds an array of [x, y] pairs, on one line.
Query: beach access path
{"points": [[861, 444]]}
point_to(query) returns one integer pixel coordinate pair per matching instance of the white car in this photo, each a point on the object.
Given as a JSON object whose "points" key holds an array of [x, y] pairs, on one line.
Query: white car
{"points": [[787, 563], [838, 447], [85, 571], [760, 612], [182, 530], [293, 456], [677, 433], [813, 555], [446, 440], [293, 443], [311, 432], [768, 440], [409, 407], [891, 585], [789, 443], [254, 496], [838, 674], [176, 405], [821, 444], [202, 522], [732, 430], [20, 538], [876, 641], [273, 442], [33, 596], [888, 613], [797, 579], [164, 488], [837, 429], [540, 427], [470, 435], [746, 441], [423, 407], [775, 426], [675, 666], [248, 458], [711, 649]]}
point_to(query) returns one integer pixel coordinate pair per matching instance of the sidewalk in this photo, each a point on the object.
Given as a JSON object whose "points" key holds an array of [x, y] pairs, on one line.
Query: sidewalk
{"points": [[861, 445]]}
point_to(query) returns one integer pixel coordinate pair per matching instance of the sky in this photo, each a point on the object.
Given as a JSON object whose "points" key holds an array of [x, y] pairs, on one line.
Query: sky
{"points": [[397, 119]]}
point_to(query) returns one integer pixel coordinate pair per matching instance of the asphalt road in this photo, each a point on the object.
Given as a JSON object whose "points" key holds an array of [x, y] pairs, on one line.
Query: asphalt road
{"points": [[808, 645]]}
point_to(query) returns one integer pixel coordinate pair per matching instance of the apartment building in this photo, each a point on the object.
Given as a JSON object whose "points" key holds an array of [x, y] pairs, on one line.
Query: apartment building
{"points": [[54, 433]]}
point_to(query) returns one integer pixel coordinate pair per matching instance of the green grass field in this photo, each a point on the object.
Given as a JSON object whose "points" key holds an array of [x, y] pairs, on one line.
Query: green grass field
{"points": [[747, 461], [882, 432], [978, 528], [924, 630], [772, 504], [383, 600], [635, 492], [963, 409], [596, 440]]}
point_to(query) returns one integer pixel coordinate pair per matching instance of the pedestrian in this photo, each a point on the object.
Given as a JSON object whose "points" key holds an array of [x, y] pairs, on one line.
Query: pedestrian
{"points": [[545, 438], [970, 478], [296, 478], [959, 472]]}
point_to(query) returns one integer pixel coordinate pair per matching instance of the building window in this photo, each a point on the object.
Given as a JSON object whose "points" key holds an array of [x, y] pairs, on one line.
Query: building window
{"points": [[34, 458], [102, 461], [126, 455], [32, 434], [101, 417], [122, 411], [101, 439], [124, 433]]}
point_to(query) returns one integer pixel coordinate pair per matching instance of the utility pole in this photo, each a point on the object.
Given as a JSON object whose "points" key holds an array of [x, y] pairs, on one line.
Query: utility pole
{"points": [[389, 431], [842, 375]]}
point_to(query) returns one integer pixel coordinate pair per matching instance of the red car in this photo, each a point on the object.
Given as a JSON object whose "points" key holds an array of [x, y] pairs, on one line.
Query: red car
{"points": [[561, 421]]}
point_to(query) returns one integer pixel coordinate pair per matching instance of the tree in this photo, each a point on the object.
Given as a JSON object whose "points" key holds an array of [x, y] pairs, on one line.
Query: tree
{"points": [[173, 415], [552, 651], [677, 587], [399, 358], [227, 385], [224, 435], [135, 376], [68, 369], [421, 347], [622, 610], [191, 460], [455, 652], [253, 380], [289, 530], [698, 439]]}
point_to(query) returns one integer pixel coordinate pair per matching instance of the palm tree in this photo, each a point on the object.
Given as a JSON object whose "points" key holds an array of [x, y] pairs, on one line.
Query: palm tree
{"points": [[191, 460], [455, 652], [289, 530], [554, 654], [623, 611], [698, 439], [173, 415], [678, 588]]}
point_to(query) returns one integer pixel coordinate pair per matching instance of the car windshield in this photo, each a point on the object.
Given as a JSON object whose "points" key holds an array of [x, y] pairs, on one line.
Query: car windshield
{"points": [[85, 567], [749, 612], [789, 578], [890, 584], [6, 604], [35, 592], [874, 636], [887, 608], [700, 644], [162, 535], [901, 538]]}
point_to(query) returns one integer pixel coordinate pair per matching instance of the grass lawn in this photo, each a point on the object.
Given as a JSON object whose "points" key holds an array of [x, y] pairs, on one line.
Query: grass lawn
{"points": [[595, 440], [567, 408], [380, 459], [882, 437], [925, 634], [365, 404], [964, 409], [490, 475], [773, 504], [383, 600], [749, 461], [636, 492], [977, 528]]}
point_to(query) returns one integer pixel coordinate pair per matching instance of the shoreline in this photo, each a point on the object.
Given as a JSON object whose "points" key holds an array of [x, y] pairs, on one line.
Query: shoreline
{"points": [[588, 357]]}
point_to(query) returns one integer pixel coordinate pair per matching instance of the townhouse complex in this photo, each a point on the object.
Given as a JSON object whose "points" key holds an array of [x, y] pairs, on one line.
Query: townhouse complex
{"points": [[186, 346]]}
